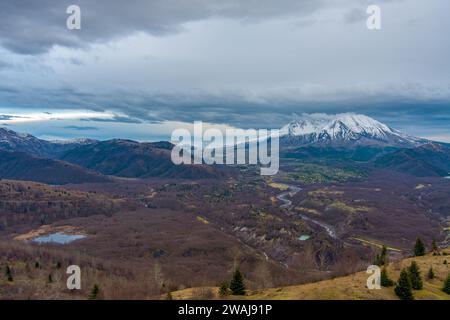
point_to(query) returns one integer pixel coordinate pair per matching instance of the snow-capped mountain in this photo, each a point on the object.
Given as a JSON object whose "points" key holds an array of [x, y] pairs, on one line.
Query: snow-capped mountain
{"points": [[23, 142], [78, 141], [347, 129]]}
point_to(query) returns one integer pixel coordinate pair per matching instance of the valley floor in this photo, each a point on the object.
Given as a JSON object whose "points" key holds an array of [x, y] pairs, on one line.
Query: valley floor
{"points": [[144, 238]]}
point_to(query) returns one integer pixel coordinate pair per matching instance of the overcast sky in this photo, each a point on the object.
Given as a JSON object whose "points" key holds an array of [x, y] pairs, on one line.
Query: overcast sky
{"points": [[139, 69]]}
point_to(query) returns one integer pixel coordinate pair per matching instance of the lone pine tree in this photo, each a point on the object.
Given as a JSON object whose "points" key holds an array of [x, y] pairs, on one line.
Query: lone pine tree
{"points": [[94, 292], [384, 280], [381, 258], [403, 289], [8, 274], [237, 286], [223, 289], [434, 246], [446, 287], [419, 248], [414, 276], [430, 274]]}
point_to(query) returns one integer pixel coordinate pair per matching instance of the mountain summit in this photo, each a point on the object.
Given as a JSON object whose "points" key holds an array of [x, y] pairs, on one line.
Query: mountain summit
{"points": [[24, 142], [346, 129]]}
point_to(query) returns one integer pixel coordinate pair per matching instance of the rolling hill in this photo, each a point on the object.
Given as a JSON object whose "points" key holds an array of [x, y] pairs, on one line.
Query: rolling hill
{"points": [[26, 204], [428, 160], [351, 287], [22, 166], [131, 159], [26, 157]]}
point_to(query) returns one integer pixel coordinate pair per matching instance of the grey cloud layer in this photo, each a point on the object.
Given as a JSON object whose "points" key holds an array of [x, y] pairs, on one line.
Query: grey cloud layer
{"points": [[241, 110], [255, 76], [29, 26]]}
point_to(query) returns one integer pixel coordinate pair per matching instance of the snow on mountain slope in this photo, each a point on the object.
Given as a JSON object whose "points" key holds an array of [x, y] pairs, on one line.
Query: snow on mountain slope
{"points": [[23, 142], [79, 141], [303, 126], [343, 130]]}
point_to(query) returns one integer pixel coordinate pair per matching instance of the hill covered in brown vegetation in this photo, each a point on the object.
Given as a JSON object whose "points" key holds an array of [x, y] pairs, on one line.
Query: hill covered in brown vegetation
{"points": [[27, 204], [23, 166], [351, 287]]}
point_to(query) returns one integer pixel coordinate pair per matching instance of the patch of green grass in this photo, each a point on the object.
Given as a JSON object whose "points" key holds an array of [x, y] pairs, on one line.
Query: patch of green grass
{"points": [[341, 206], [309, 173]]}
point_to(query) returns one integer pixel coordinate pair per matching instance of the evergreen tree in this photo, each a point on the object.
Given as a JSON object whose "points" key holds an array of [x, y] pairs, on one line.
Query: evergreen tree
{"points": [[414, 276], [237, 286], [8, 274], [403, 289], [446, 287], [385, 281], [377, 260], [419, 248], [430, 273], [223, 289], [94, 292], [383, 254], [381, 258], [434, 246]]}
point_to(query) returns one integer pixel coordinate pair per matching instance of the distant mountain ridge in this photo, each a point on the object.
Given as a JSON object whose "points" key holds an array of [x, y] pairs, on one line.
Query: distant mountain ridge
{"points": [[356, 137], [23, 166], [427, 160], [25, 157], [24, 142], [342, 137], [344, 130], [131, 159]]}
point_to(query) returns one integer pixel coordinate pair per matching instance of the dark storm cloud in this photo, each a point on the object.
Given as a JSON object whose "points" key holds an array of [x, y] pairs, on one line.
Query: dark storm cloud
{"points": [[9, 117], [38, 99], [240, 111], [80, 128], [5, 89], [120, 119], [30, 27]]}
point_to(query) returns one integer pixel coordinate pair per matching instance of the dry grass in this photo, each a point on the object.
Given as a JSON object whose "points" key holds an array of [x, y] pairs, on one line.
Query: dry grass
{"points": [[279, 186], [202, 220], [352, 287], [376, 244]]}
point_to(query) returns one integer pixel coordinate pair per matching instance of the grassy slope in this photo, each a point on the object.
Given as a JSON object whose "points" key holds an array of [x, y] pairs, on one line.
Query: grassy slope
{"points": [[352, 287]]}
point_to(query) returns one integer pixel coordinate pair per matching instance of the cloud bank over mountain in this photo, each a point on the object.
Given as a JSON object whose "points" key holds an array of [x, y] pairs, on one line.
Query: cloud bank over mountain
{"points": [[239, 63]]}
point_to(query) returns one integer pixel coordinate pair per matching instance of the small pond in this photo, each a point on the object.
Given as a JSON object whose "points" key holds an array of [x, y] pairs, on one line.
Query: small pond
{"points": [[304, 237], [58, 237]]}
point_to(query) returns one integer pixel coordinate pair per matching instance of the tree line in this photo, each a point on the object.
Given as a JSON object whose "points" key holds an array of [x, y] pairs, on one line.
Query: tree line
{"points": [[410, 278]]}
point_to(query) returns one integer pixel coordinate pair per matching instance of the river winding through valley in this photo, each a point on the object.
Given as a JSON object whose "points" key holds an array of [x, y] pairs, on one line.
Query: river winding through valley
{"points": [[287, 204]]}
